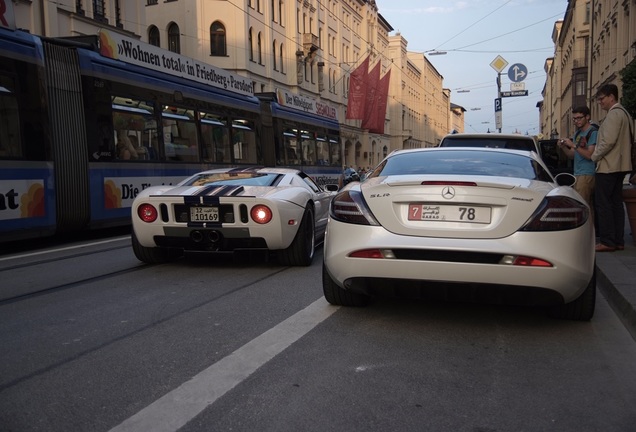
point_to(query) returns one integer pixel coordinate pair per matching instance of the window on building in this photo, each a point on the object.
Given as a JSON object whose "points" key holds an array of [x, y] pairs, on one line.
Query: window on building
{"points": [[280, 12], [99, 10], [174, 43], [152, 2], [272, 7], [153, 36], [218, 45], [250, 40], [274, 56], [282, 63], [260, 49]]}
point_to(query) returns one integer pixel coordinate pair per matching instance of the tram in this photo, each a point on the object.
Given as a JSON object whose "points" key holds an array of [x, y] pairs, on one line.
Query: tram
{"points": [[86, 123]]}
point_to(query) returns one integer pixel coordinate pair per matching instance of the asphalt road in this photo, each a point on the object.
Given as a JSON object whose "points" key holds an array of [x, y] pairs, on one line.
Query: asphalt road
{"points": [[93, 340]]}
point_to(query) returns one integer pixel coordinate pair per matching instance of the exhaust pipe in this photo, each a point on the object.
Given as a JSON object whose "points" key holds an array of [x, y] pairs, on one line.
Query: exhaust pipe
{"points": [[196, 236], [214, 236]]}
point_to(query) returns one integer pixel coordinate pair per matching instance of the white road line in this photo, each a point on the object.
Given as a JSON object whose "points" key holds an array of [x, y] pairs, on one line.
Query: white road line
{"points": [[83, 245], [181, 405]]}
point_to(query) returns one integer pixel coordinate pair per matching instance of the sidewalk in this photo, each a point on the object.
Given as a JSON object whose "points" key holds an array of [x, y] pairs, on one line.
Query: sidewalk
{"points": [[616, 280]]}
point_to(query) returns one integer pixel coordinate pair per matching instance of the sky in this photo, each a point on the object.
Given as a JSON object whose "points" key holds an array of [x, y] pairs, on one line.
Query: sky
{"points": [[473, 33]]}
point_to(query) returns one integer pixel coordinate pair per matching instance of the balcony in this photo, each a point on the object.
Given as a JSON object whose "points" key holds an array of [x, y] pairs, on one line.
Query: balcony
{"points": [[310, 42]]}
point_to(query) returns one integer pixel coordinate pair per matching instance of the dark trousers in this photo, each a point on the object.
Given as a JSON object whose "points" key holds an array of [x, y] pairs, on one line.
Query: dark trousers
{"points": [[608, 192]]}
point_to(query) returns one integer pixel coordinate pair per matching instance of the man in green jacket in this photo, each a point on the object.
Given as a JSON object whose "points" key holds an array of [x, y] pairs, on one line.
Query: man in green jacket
{"points": [[612, 155]]}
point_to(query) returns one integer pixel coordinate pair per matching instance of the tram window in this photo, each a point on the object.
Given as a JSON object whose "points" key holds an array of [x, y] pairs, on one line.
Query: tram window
{"points": [[135, 129], [336, 151], [180, 137], [244, 147], [9, 122], [216, 139], [322, 150], [291, 153], [309, 148]]}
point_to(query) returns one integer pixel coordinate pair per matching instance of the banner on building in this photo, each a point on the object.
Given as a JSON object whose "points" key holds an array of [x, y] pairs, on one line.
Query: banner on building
{"points": [[382, 94], [357, 91], [371, 102]]}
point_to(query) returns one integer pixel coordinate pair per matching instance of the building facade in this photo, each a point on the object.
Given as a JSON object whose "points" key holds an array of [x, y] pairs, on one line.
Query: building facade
{"points": [[303, 47], [592, 43]]}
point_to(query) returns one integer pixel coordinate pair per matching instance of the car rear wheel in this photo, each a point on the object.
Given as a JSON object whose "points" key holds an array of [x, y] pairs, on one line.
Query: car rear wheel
{"points": [[152, 255], [301, 251], [339, 296], [581, 309]]}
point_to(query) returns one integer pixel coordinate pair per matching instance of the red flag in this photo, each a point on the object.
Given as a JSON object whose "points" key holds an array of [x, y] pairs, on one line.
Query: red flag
{"points": [[371, 101], [357, 91], [382, 93]]}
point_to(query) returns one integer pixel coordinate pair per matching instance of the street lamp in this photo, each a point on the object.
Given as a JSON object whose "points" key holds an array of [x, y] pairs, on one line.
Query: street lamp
{"points": [[435, 52]]}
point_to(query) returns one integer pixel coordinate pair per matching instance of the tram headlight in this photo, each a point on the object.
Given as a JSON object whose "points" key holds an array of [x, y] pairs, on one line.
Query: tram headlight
{"points": [[261, 214], [147, 213]]}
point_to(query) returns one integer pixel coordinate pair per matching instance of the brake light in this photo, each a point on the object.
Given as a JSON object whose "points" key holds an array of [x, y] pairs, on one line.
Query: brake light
{"points": [[147, 213], [350, 207], [556, 214], [261, 214], [447, 183]]}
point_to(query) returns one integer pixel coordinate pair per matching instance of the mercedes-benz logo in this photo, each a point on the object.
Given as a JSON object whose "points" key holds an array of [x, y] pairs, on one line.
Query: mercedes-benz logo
{"points": [[448, 192]]}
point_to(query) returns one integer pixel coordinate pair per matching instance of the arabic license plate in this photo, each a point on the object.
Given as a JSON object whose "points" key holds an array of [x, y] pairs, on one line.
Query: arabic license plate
{"points": [[204, 214], [449, 213]]}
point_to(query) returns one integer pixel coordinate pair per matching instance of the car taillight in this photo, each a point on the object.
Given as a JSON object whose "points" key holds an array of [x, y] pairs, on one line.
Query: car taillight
{"points": [[147, 213], [556, 214], [350, 207], [261, 214]]}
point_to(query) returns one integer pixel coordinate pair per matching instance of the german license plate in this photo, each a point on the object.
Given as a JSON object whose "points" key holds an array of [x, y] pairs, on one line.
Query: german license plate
{"points": [[449, 213], [204, 214]]}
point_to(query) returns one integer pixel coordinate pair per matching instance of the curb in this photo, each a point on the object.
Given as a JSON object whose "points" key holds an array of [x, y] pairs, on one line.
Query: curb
{"points": [[615, 280]]}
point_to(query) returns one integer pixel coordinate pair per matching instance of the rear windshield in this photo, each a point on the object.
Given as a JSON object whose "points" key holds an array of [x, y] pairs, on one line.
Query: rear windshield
{"points": [[469, 162], [508, 143], [240, 179]]}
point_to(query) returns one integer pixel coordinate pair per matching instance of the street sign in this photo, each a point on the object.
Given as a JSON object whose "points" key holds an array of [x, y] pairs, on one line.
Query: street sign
{"points": [[499, 63], [498, 113], [517, 86], [517, 72], [514, 93]]}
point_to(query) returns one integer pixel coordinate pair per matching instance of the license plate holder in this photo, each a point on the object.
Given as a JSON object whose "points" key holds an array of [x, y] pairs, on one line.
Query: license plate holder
{"points": [[204, 214], [450, 213]]}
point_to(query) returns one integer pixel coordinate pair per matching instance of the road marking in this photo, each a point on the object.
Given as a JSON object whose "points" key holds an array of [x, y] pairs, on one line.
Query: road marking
{"points": [[175, 409], [83, 245]]}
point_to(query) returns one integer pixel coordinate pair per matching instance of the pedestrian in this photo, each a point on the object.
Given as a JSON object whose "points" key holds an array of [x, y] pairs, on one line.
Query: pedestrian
{"points": [[580, 148], [612, 156]]}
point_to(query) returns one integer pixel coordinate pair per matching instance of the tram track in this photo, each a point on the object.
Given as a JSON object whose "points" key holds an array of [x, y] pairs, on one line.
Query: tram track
{"points": [[155, 322]]}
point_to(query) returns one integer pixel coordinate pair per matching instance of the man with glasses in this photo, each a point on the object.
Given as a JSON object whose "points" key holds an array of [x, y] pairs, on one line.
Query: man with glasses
{"points": [[613, 161], [580, 148]]}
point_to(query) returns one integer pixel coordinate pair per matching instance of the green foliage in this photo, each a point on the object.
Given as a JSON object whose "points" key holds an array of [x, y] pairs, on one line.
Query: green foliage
{"points": [[628, 100]]}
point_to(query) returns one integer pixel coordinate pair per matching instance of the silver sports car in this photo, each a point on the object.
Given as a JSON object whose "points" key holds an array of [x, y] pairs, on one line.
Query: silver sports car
{"points": [[232, 209], [471, 224]]}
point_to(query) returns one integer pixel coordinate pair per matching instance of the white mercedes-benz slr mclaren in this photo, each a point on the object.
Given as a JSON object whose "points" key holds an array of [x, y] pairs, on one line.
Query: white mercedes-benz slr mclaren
{"points": [[232, 209], [466, 224]]}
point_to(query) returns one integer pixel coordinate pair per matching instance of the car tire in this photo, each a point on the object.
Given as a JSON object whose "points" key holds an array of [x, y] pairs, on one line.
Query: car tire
{"points": [[152, 255], [302, 249], [336, 295], [581, 309]]}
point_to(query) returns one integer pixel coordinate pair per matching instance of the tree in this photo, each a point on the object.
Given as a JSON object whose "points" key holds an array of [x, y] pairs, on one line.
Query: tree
{"points": [[628, 76]]}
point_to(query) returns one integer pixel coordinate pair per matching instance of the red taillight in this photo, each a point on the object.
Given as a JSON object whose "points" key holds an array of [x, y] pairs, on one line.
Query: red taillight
{"points": [[530, 262], [367, 253], [147, 213], [261, 214], [350, 207], [557, 213]]}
